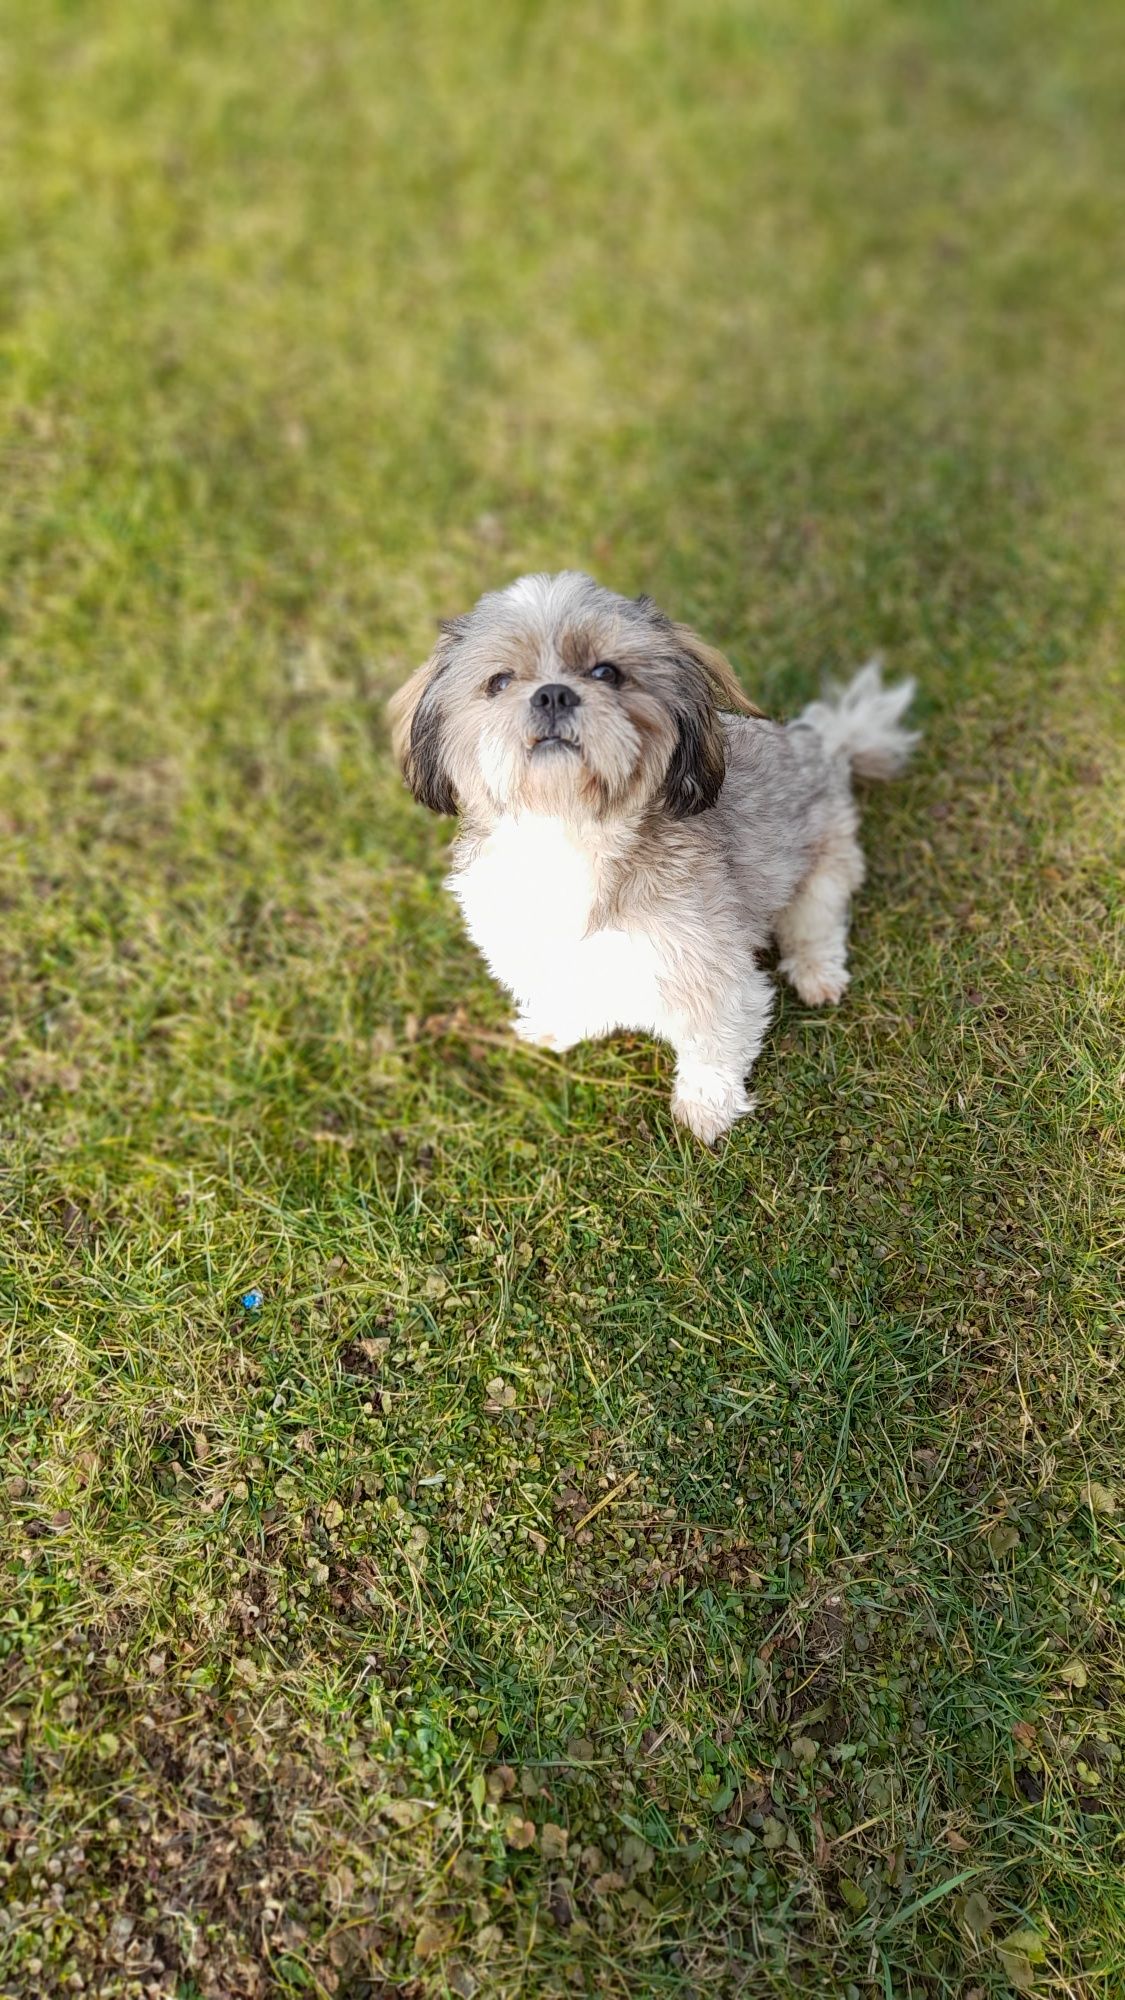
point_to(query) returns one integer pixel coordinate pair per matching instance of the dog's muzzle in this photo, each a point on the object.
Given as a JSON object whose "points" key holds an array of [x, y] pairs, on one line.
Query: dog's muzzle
{"points": [[550, 705]]}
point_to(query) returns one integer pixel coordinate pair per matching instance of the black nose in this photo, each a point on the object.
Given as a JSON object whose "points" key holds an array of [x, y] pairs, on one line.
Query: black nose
{"points": [[554, 699]]}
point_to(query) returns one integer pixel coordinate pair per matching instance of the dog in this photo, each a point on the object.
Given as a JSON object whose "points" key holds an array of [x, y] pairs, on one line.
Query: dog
{"points": [[634, 833]]}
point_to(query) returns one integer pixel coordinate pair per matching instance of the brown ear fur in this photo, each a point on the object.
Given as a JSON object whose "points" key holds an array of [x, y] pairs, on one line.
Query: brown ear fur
{"points": [[718, 670], [416, 732], [698, 764]]}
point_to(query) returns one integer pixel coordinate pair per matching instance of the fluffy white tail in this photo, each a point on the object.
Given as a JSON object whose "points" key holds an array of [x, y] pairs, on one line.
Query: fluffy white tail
{"points": [[863, 722]]}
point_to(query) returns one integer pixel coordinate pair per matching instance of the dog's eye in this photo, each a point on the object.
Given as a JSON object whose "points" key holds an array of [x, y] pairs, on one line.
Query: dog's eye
{"points": [[606, 671], [498, 683]]}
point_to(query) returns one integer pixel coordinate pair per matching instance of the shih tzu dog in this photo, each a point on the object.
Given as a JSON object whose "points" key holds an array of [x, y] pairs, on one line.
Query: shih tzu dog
{"points": [[634, 833]]}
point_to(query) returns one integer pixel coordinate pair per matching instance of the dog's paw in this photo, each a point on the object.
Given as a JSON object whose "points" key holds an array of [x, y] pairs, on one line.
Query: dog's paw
{"points": [[710, 1110], [816, 985]]}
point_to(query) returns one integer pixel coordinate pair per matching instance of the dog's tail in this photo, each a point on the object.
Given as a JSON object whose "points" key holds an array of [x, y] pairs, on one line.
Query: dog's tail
{"points": [[863, 722]]}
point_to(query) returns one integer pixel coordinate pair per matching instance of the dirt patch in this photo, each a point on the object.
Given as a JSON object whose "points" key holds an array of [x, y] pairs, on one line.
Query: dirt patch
{"points": [[205, 1840]]}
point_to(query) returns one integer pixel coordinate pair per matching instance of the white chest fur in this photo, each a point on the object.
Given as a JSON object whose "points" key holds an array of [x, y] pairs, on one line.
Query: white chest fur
{"points": [[528, 895]]}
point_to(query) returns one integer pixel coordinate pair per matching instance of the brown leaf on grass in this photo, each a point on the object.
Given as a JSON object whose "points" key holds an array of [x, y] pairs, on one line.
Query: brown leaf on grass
{"points": [[1024, 1732], [432, 1940], [501, 1781], [404, 1812], [364, 1357], [520, 1833], [435, 1025]]}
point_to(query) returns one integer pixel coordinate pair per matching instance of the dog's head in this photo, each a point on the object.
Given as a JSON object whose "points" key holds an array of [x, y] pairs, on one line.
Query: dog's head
{"points": [[557, 696]]}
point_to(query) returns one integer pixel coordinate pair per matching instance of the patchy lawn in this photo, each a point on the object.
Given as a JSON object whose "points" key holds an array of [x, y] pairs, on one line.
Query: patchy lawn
{"points": [[596, 1566]]}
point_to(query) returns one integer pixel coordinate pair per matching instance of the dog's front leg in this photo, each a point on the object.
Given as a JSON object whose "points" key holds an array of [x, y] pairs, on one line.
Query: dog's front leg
{"points": [[717, 1037]]}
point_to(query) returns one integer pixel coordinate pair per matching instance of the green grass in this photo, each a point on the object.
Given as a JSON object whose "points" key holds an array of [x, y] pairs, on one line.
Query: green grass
{"points": [[320, 1672]]}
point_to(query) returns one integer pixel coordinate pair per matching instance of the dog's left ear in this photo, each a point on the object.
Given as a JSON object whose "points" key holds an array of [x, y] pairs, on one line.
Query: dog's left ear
{"points": [[698, 763], [418, 726]]}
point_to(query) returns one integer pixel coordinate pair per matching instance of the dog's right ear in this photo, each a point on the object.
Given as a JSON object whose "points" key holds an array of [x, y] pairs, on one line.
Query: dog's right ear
{"points": [[418, 728], [706, 686], [717, 670]]}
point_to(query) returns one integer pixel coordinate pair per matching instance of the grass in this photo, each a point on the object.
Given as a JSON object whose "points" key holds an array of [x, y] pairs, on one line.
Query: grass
{"points": [[598, 1566]]}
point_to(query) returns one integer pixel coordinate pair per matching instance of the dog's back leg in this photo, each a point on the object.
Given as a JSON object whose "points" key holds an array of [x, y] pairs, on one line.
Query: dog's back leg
{"points": [[813, 930]]}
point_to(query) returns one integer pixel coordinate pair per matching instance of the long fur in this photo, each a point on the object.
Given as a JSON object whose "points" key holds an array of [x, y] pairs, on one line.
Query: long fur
{"points": [[634, 832]]}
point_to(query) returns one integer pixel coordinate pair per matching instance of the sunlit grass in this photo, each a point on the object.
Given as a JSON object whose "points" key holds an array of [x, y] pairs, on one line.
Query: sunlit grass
{"points": [[598, 1565]]}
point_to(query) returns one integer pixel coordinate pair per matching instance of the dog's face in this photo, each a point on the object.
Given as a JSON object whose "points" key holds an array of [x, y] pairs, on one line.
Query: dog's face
{"points": [[557, 696]]}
